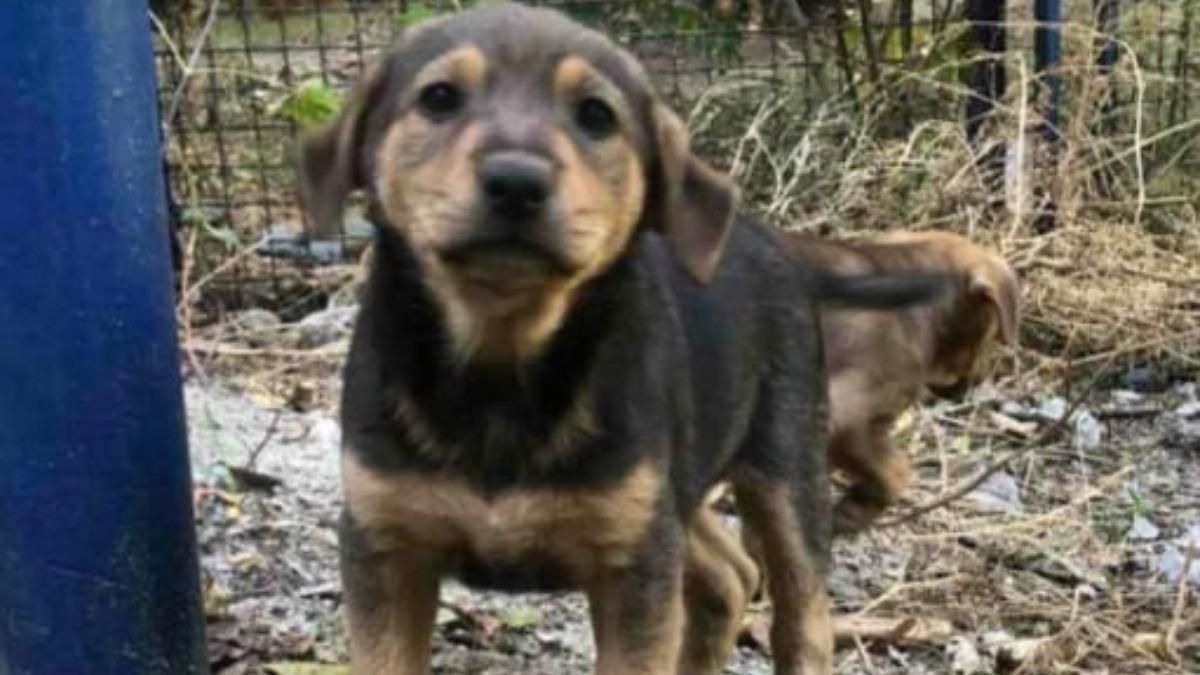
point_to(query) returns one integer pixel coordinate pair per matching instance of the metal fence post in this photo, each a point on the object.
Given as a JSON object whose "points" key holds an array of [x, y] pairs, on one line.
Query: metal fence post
{"points": [[98, 572], [1047, 40], [987, 77]]}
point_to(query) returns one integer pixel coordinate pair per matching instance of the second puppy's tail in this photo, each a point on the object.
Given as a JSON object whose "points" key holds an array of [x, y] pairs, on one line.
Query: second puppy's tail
{"points": [[878, 290]]}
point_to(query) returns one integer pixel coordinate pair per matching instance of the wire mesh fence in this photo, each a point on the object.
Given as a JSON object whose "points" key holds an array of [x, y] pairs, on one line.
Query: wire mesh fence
{"points": [[776, 94]]}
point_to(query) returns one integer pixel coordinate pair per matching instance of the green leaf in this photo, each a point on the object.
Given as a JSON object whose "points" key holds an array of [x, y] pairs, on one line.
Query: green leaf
{"points": [[313, 102], [224, 235], [521, 617], [961, 445], [416, 13]]}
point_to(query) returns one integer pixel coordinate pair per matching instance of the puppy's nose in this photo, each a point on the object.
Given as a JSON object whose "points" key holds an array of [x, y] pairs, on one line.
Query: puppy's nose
{"points": [[516, 184]]}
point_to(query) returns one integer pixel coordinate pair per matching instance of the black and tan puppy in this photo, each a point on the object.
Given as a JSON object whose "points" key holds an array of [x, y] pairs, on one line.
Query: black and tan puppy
{"points": [[564, 342], [880, 363]]}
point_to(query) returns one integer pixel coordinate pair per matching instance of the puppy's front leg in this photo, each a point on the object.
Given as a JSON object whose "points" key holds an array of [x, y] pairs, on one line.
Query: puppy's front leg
{"points": [[637, 612], [719, 579], [801, 629], [391, 599]]}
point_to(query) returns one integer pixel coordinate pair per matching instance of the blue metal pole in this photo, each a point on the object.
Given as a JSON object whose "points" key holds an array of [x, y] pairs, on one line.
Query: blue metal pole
{"points": [[98, 572], [1047, 42]]}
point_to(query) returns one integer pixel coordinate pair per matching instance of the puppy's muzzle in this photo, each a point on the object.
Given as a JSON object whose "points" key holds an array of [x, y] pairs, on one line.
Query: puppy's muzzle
{"points": [[516, 186], [515, 232]]}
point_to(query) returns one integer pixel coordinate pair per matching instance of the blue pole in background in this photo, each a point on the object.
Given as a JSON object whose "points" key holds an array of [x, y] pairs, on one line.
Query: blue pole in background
{"points": [[1047, 42], [98, 572]]}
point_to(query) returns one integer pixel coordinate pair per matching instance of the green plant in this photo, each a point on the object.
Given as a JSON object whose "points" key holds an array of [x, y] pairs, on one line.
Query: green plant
{"points": [[415, 13], [312, 102]]}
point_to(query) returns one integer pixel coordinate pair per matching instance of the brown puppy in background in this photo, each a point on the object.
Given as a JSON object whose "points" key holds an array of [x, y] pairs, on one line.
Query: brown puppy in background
{"points": [[879, 363], [567, 337]]}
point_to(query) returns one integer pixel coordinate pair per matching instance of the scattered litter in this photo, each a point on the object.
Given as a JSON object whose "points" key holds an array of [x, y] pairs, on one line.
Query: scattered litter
{"points": [[1017, 410], [1126, 397], [964, 657], [1086, 431], [999, 493], [1052, 409], [1143, 530], [292, 243]]}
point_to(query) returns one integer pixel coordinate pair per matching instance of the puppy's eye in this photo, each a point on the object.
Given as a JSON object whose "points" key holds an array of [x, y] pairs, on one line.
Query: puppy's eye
{"points": [[440, 100], [595, 117]]}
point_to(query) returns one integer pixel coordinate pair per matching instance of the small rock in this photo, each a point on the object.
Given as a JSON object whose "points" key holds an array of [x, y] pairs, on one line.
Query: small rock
{"points": [[1143, 379], [1173, 560], [1191, 539], [1016, 410], [1185, 390], [1143, 530], [999, 493], [327, 326], [1086, 431], [964, 657], [256, 327], [1052, 409], [993, 639], [326, 432], [1185, 425], [1188, 410]]}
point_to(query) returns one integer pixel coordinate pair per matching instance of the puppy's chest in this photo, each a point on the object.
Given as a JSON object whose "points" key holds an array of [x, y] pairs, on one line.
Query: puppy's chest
{"points": [[575, 531]]}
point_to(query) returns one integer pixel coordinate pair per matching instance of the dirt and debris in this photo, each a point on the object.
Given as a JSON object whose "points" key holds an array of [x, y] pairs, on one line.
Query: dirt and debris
{"points": [[1081, 554]]}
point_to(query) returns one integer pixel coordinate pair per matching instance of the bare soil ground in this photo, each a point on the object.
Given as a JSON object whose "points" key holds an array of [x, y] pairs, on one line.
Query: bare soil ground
{"points": [[1071, 559]]}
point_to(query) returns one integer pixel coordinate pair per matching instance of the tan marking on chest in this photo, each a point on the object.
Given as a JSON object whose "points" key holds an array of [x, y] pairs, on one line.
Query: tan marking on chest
{"points": [[585, 530]]}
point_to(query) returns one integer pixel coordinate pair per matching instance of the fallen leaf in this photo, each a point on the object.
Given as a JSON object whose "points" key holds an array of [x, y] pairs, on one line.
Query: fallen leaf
{"points": [[903, 630], [961, 445], [1152, 644], [297, 668], [521, 617], [1010, 425]]}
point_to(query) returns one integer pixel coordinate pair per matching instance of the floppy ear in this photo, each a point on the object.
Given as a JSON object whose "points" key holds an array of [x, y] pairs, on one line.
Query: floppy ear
{"points": [[330, 157], [691, 203], [1004, 300]]}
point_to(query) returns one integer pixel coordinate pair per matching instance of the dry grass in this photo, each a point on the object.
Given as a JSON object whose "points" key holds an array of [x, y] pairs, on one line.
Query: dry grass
{"points": [[1116, 273], [1114, 282]]}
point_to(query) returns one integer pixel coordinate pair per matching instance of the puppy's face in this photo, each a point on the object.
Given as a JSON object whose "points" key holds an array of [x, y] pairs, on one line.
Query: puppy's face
{"points": [[513, 185], [517, 154]]}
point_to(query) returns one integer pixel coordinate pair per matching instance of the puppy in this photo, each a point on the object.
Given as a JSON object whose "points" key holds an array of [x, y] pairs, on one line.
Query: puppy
{"points": [[879, 363], [565, 340]]}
